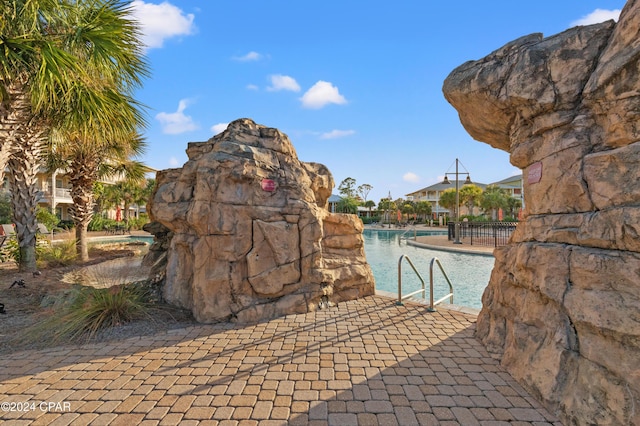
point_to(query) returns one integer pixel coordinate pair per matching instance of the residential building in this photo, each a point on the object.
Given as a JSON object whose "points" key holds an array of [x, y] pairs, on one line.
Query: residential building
{"points": [[431, 194], [54, 193], [333, 203], [362, 211]]}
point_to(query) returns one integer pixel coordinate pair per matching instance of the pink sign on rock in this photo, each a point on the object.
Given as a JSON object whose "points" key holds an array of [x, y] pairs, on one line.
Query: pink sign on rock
{"points": [[535, 173], [268, 185]]}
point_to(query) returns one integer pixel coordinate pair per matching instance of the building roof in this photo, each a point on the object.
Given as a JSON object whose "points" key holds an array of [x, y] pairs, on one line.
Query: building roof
{"points": [[335, 198], [515, 180]]}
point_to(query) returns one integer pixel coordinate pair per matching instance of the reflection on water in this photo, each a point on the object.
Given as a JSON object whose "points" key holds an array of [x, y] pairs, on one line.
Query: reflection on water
{"points": [[468, 273]]}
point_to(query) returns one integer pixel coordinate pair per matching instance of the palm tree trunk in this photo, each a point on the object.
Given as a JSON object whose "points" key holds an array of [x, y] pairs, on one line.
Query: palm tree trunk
{"points": [[6, 150], [13, 119], [125, 211], [83, 204], [24, 165]]}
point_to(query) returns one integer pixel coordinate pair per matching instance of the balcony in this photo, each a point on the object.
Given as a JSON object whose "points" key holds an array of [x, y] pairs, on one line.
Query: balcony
{"points": [[61, 195]]}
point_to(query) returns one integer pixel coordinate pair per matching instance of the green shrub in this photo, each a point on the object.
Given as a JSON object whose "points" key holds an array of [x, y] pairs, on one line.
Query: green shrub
{"points": [[99, 223], [45, 217], [368, 220], [11, 248], [138, 223], [66, 224]]}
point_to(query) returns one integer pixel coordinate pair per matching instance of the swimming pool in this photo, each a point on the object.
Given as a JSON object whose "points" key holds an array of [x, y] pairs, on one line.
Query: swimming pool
{"points": [[468, 273], [122, 239]]}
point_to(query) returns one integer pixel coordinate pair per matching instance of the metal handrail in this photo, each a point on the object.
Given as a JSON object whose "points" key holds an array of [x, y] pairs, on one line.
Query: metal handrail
{"points": [[432, 303], [400, 296], [412, 228]]}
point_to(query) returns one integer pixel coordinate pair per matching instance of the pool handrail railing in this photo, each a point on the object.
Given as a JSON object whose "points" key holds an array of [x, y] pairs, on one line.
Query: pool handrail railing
{"points": [[432, 303], [411, 228]]}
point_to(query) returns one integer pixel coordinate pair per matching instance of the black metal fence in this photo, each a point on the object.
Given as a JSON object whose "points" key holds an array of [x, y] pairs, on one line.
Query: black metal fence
{"points": [[493, 234]]}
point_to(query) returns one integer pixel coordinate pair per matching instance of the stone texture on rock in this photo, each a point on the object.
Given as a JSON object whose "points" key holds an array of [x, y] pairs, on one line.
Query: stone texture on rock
{"points": [[562, 308], [245, 232]]}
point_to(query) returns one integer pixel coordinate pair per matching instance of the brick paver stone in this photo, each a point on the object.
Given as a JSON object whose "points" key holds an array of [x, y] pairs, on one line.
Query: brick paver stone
{"points": [[362, 362]]}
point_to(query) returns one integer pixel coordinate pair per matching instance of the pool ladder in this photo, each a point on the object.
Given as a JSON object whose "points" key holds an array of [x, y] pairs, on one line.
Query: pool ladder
{"points": [[411, 229], [432, 304]]}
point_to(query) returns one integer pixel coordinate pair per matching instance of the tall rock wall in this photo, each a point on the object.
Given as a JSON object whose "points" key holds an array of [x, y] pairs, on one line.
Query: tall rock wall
{"points": [[562, 308], [247, 233]]}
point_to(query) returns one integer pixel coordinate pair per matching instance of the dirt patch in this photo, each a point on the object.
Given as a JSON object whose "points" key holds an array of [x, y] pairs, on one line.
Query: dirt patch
{"points": [[25, 297]]}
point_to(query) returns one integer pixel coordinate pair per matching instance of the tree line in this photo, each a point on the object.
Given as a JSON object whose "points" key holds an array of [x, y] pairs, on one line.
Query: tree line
{"points": [[490, 201]]}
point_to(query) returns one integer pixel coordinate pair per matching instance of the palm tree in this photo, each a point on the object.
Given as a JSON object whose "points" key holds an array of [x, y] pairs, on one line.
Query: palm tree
{"points": [[87, 161], [347, 205], [407, 208], [423, 208], [34, 70], [69, 65], [387, 205], [448, 201], [133, 188], [513, 204], [470, 196], [369, 204], [493, 199]]}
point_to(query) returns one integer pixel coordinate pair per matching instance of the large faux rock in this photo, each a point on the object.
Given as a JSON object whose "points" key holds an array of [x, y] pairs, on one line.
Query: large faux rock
{"points": [[562, 308], [246, 232]]}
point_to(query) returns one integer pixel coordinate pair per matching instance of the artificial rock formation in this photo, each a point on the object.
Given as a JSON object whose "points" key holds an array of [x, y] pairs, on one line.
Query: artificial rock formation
{"points": [[562, 308], [244, 232]]}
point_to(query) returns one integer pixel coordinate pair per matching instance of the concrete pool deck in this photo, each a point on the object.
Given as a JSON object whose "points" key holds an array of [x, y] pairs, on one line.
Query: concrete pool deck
{"points": [[441, 242], [364, 362]]}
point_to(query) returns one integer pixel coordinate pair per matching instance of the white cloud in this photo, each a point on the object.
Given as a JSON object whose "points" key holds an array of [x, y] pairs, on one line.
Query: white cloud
{"points": [[249, 57], [597, 16], [174, 123], [283, 82], [334, 134], [321, 94], [160, 22], [219, 128], [411, 177], [173, 162], [252, 87]]}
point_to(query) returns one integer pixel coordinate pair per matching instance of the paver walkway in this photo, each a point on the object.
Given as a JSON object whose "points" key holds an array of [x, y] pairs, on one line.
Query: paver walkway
{"points": [[363, 362]]}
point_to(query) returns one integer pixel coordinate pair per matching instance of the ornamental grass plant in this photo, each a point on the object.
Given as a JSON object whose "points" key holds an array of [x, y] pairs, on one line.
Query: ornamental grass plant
{"points": [[93, 309], [102, 299], [81, 313], [54, 255]]}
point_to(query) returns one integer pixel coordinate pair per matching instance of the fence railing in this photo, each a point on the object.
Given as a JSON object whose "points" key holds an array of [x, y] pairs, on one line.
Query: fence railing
{"points": [[493, 234]]}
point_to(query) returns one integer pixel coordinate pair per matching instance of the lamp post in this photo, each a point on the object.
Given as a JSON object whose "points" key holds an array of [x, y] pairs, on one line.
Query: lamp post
{"points": [[389, 210], [456, 226]]}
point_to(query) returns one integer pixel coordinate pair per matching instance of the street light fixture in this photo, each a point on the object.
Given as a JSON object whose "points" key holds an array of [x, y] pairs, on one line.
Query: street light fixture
{"points": [[389, 210], [456, 226]]}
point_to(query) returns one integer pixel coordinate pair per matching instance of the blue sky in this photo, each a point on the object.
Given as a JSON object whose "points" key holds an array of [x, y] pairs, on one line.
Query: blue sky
{"points": [[355, 85]]}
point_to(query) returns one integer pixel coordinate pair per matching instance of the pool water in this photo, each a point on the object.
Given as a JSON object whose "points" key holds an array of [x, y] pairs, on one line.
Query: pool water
{"points": [[122, 239], [469, 273]]}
